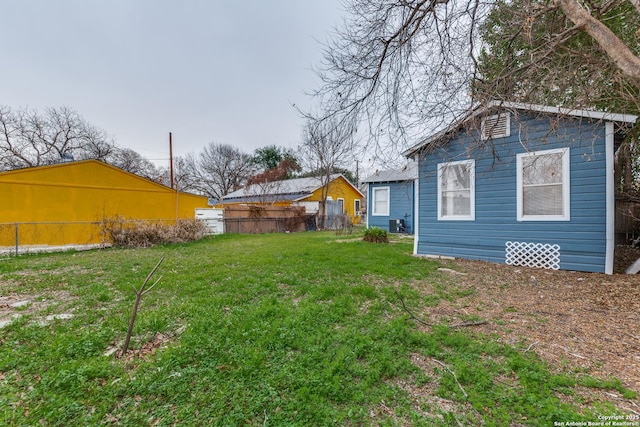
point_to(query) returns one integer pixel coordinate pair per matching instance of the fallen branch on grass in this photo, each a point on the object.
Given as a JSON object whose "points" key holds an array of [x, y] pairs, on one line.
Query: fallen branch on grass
{"points": [[423, 322], [466, 396], [531, 346], [579, 356], [413, 316], [466, 324]]}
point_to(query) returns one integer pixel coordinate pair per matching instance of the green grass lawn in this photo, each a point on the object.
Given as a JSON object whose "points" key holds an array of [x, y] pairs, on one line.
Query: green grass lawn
{"points": [[281, 329]]}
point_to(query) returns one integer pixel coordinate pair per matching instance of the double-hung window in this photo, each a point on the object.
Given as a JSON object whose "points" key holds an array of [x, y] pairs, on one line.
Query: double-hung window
{"points": [[543, 185], [380, 202], [456, 190]]}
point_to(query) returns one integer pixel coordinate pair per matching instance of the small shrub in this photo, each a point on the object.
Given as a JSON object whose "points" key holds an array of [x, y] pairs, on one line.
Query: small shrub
{"points": [[123, 232], [376, 235]]}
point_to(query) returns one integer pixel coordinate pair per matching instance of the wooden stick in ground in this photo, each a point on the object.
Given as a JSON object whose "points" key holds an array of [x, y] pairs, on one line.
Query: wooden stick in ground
{"points": [[139, 293]]}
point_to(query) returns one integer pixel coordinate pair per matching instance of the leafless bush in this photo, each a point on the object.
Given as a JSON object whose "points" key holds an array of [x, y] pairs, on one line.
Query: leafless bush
{"points": [[122, 232], [256, 211], [343, 225]]}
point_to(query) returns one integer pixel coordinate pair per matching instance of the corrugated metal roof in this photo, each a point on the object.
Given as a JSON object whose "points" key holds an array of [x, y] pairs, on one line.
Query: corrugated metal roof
{"points": [[268, 198], [407, 173], [299, 187]]}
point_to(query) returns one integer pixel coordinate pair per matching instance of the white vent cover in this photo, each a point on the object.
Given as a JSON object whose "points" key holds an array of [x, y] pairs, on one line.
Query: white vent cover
{"points": [[539, 255], [497, 126]]}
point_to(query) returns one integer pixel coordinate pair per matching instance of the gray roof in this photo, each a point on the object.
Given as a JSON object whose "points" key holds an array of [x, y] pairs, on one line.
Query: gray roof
{"points": [[269, 198], [293, 189], [484, 109], [408, 173]]}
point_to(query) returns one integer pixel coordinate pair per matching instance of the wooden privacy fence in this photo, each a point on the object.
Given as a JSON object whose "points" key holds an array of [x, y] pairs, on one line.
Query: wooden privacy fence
{"points": [[253, 219], [627, 221]]}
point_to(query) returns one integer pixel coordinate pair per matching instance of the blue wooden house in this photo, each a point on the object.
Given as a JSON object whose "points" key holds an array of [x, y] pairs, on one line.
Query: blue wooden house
{"points": [[521, 184], [391, 196]]}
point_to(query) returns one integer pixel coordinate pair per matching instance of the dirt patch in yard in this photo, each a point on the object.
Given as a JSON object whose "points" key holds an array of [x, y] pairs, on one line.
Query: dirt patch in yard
{"points": [[578, 322], [14, 306]]}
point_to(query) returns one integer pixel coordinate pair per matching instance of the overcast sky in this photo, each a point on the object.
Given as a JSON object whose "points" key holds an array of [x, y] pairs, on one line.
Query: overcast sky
{"points": [[205, 70]]}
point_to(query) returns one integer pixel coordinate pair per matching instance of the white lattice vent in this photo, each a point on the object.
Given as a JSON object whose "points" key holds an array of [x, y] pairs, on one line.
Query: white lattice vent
{"points": [[539, 255]]}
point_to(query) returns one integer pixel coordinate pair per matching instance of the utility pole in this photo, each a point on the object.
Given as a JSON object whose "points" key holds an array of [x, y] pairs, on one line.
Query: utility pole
{"points": [[170, 161]]}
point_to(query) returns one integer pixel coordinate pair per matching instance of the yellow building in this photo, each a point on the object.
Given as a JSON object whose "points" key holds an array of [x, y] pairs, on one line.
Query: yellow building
{"points": [[64, 203], [305, 192]]}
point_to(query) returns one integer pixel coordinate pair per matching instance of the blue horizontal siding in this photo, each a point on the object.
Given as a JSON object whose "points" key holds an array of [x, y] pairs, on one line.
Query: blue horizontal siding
{"points": [[582, 240], [401, 205]]}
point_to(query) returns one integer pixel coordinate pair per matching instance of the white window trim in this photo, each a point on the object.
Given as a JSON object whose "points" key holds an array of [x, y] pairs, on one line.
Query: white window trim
{"points": [[566, 187], [373, 200], [357, 203], [471, 164], [341, 199]]}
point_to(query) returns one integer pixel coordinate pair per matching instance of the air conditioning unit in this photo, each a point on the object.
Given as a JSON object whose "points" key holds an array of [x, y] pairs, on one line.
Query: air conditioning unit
{"points": [[396, 226]]}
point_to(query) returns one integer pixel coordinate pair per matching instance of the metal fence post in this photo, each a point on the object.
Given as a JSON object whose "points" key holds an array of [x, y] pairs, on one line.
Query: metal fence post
{"points": [[17, 243]]}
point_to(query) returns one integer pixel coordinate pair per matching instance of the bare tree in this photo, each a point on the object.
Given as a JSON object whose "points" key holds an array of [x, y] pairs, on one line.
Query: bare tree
{"points": [[226, 167], [131, 161], [270, 182], [29, 138], [187, 175], [265, 188], [96, 144], [407, 67], [402, 66], [326, 145], [215, 172]]}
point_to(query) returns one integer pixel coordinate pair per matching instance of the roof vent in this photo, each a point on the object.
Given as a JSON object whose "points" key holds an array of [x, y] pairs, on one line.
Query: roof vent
{"points": [[498, 126]]}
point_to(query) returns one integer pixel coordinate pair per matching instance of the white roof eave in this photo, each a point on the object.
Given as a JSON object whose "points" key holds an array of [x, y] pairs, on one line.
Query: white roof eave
{"points": [[591, 114]]}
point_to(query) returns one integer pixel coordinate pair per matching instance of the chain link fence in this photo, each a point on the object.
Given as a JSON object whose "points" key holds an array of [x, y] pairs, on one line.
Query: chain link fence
{"points": [[18, 238], [23, 237]]}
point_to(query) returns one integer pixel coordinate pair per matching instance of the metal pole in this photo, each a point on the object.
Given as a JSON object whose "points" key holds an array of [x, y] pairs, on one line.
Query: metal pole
{"points": [[170, 160], [17, 244]]}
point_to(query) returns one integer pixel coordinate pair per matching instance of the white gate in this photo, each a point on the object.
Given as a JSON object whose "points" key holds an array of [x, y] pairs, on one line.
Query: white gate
{"points": [[213, 218]]}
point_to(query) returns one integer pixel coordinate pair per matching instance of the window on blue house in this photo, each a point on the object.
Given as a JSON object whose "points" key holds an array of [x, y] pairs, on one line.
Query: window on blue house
{"points": [[380, 201], [543, 185], [456, 190]]}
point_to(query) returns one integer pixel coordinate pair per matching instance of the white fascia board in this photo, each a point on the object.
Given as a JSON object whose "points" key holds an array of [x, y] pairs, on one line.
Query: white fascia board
{"points": [[591, 114], [610, 200]]}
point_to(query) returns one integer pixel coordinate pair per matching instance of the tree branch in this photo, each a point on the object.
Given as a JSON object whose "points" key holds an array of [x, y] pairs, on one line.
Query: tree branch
{"points": [[636, 4], [621, 55], [466, 396]]}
